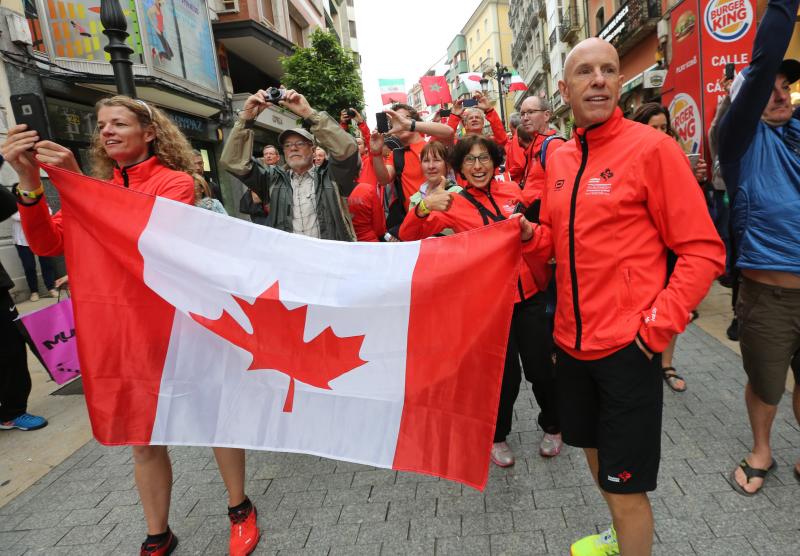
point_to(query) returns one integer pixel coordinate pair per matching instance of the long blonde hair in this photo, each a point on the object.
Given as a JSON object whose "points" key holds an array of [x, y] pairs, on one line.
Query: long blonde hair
{"points": [[170, 146]]}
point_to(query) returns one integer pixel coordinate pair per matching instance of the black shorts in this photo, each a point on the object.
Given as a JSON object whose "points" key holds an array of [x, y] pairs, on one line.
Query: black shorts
{"points": [[614, 404]]}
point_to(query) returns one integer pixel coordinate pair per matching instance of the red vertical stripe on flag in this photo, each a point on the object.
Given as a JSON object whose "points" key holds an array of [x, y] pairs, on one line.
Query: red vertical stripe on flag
{"points": [[462, 298], [122, 326]]}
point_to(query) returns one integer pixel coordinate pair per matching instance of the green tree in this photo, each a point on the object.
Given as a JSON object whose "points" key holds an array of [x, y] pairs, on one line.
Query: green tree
{"points": [[325, 73]]}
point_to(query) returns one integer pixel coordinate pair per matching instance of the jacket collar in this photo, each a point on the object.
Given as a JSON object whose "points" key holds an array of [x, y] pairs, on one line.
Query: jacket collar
{"points": [[610, 128], [137, 173]]}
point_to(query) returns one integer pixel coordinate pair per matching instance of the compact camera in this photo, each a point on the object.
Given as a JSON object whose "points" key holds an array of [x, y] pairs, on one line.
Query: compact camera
{"points": [[274, 94]]}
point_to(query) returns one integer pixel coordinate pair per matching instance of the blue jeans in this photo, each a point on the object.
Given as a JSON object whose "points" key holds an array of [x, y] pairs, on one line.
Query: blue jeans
{"points": [[29, 265]]}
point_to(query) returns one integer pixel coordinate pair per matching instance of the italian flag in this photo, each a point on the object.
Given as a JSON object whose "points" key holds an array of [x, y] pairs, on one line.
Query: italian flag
{"points": [[196, 328], [393, 90], [517, 84]]}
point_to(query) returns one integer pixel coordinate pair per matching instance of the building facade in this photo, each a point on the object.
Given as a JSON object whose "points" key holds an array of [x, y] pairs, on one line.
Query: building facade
{"points": [[488, 43]]}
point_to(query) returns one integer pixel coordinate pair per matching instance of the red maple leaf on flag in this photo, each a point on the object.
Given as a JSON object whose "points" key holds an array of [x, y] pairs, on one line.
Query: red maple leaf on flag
{"points": [[277, 343]]}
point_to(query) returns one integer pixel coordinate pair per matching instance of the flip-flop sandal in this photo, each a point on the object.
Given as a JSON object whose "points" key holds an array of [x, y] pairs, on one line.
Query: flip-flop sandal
{"points": [[751, 473], [671, 377]]}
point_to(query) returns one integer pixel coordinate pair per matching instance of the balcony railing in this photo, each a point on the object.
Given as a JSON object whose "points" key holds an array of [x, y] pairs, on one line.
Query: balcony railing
{"points": [[570, 24], [541, 7], [632, 22]]}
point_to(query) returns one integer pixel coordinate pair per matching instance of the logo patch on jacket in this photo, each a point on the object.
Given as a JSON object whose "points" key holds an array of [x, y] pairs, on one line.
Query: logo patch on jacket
{"points": [[597, 186], [607, 174], [559, 185]]}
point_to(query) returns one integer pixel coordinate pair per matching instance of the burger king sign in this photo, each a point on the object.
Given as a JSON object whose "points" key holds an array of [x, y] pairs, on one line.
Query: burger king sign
{"points": [[686, 121], [728, 20]]}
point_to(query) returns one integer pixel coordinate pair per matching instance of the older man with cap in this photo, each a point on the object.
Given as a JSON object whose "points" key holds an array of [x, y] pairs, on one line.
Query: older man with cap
{"points": [[759, 153], [616, 198], [303, 198]]}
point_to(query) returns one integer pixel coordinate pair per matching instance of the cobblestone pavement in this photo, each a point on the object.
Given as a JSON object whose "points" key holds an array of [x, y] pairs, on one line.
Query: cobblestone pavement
{"points": [[308, 505]]}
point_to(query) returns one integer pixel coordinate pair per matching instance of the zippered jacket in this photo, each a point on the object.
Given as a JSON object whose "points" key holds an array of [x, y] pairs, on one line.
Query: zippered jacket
{"points": [[45, 233], [616, 198], [500, 199], [761, 163]]}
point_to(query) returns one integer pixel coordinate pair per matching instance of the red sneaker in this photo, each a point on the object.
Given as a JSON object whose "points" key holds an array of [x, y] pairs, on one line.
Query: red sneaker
{"points": [[164, 548], [244, 532]]}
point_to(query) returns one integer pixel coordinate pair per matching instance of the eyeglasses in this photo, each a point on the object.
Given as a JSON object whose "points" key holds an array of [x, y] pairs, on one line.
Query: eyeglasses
{"points": [[295, 144], [470, 160], [531, 111]]}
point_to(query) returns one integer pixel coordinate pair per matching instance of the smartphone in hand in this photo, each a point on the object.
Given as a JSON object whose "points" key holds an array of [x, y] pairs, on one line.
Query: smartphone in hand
{"points": [[469, 103], [730, 70], [29, 110], [383, 122]]}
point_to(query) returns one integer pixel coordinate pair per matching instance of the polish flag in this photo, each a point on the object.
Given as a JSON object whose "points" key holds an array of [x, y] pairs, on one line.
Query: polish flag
{"points": [[199, 329]]}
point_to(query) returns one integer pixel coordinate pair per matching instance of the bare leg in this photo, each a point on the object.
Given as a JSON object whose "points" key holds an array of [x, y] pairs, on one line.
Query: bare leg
{"points": [[761, 416], [631, 513], [231, 466], [666, 361], [152, 471]]}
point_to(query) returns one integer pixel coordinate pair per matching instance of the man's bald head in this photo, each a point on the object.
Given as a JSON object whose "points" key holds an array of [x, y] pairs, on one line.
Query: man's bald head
{"points": [[592, 45], [592, 81]]}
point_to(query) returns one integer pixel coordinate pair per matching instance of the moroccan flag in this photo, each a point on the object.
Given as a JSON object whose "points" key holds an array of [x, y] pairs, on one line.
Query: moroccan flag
{"points": [[435, 89], [517, 84], [393, 90], [196, 328], [472, 81]]}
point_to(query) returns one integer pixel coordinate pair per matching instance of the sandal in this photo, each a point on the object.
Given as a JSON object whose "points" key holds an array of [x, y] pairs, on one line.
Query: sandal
{"points": [[751, 473], [671, 377], [694, 316]]}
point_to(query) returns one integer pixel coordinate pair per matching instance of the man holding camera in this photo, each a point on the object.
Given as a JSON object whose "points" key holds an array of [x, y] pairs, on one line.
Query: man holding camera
{"points": [[303, 198]]}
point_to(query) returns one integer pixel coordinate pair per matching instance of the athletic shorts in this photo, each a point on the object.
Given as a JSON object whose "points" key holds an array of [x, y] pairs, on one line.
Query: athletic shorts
{"points": [[614, 404], [769, 336]]}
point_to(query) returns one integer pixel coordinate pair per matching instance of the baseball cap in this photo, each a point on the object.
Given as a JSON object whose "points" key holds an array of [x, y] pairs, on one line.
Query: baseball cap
{"points": [[789, 68], [296, 131]]}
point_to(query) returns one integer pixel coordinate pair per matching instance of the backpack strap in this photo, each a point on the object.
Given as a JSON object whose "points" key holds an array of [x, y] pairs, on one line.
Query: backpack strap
{"points": [[395, 205], [542, 154]]}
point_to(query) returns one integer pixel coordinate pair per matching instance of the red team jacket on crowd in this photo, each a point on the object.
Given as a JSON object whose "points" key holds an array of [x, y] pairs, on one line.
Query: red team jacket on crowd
{"points": [[45, 234], [617, 197], [463, 215], [525, 165], [366, 208]]}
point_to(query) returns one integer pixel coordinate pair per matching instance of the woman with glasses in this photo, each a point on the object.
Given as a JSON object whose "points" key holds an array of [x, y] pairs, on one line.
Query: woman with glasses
{"points": [[483, 201]]}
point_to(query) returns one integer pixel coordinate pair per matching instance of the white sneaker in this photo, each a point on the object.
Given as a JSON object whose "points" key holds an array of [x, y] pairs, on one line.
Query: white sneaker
{"points": [[551, 445], [501, 454], [53, 293], [34, 296]]}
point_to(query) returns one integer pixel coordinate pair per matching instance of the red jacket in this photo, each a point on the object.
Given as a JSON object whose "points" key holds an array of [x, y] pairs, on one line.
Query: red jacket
{"points": [[366, 208], [463, 215], [45, 233], [617, 197], [531, 174], [515, 159]]}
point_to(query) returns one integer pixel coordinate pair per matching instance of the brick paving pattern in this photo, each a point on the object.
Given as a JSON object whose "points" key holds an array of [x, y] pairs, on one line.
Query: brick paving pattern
{"points": [[308, 505]]}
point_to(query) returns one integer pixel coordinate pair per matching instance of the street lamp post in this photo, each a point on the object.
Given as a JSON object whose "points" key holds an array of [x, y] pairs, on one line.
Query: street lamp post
{"points": [[115, 27], [502, 76]]}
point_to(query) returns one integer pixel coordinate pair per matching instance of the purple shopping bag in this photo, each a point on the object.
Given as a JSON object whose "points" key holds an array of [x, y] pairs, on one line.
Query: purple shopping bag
{"points": [[52, 331]]}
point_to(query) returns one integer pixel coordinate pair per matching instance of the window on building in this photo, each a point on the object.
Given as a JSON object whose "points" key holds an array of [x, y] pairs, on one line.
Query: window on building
{"points": [[350, 3], [297, 32], [353, 29], [600, 19], [477, 35], [488, 54], [486, 25], [470, 42], [265, 10]]}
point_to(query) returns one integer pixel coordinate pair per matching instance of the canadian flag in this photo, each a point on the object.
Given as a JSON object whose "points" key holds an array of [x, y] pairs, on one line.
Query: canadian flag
{"points": [[195, 328]]}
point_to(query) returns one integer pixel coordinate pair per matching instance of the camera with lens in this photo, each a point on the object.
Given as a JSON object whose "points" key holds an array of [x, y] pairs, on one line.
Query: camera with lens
{"points": [[274, 94], [351, 112]]}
